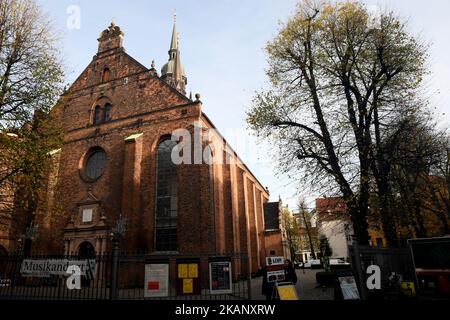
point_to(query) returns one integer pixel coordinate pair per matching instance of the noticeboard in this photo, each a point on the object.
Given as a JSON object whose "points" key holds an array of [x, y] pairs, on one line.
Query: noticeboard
{"points": [[220, 277], [286, 291], [348, 287], [274, 261], [156, 280], [188, 277], [275, 269]]}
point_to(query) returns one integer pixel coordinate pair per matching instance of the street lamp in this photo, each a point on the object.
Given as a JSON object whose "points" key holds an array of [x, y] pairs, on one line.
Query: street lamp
{"points": [[116, 233], [29, 235]]}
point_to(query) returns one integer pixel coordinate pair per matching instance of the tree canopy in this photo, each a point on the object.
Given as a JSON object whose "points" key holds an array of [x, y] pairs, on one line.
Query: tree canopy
{"points": [[342, 81], [31, 80]]}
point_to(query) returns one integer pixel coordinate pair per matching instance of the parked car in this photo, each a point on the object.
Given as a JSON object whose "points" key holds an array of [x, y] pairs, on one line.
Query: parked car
{"points": [[315, 263], [299, 264], [339, 264]]}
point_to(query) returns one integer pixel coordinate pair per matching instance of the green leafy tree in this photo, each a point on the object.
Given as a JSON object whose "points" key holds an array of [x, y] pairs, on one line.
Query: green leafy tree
{"points": [[291, 230], [339, 80], [31, 79], [311, 233]]}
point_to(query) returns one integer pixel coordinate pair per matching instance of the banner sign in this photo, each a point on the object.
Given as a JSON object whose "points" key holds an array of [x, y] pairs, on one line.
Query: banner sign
{"points": [[287, 291], [275, 261], [275, 269], [276, 275], [58, 267], [220, 277], [156, 280]]}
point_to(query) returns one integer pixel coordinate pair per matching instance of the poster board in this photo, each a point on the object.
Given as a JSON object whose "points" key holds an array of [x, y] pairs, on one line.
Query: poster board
{"points": [[188, 277], [275, 269], [286, 291], [348, 287], [156, 280], [274, 261], [220, 277]]}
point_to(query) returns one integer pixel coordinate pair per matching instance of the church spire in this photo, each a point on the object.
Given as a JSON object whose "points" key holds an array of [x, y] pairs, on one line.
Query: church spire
{"points": [[174, 40], [173, 71]]}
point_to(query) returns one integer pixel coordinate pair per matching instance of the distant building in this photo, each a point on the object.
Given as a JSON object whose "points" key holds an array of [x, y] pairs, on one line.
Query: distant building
{"points": [[335, 224], [304, 251]]}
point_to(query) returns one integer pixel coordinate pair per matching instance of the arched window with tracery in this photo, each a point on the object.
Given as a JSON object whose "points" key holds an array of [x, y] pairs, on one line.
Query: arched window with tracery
{"points": [[97, 114], [107, 114], [166, 199], [208, 157]]}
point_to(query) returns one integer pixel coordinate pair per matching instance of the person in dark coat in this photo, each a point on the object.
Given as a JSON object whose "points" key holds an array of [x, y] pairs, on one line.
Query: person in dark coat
{"points": [[267, 287], [290, 274]]}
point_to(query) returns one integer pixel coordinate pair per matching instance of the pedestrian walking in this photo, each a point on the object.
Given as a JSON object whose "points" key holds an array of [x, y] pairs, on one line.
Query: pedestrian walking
{"points": [[267, 287], [290, 274]]}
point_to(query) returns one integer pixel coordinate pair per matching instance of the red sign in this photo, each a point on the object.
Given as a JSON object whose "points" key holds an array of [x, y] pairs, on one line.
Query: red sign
{"points": [[153, 285]]}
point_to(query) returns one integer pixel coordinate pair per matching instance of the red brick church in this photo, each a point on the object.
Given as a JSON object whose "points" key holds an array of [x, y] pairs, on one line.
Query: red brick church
{"points": [[115, 163]]}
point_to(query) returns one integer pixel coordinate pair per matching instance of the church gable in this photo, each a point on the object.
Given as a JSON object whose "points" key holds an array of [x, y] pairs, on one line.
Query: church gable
{"points": [[115, 86], [111, 61], [108, 68]]}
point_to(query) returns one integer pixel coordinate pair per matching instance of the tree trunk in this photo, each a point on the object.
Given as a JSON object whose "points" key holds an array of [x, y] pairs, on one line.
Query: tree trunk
{"points": [[308, 232], [387, 219]]}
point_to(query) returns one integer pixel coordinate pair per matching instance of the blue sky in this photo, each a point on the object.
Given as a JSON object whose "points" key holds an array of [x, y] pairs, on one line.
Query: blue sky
{"points": [[222, 50]]}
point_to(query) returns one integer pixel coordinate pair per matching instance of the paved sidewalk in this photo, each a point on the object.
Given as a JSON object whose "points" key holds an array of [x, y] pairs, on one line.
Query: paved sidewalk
{"points": [[306, 287]]}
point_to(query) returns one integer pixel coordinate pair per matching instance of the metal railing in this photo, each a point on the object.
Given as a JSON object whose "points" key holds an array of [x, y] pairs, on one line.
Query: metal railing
{"points": [[116, 276]]}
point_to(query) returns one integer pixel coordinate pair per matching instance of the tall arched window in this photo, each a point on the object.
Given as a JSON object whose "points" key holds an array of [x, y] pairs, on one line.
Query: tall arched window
{"points": [[97, 114], [209, 160], [106, 75], [166, 199], [107, 114]]}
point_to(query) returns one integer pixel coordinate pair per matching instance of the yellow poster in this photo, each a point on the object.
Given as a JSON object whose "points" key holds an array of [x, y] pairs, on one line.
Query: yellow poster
{"points": [[193, 270], [182, 271], [287, 292], [188, 286]]}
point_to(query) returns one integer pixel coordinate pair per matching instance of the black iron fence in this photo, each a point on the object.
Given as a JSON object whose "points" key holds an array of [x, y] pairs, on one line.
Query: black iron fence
{"points": [[123, 276]]}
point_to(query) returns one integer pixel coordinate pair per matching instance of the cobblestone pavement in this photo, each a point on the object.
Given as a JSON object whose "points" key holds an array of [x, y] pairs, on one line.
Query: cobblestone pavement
{"points": [[306, 287]]}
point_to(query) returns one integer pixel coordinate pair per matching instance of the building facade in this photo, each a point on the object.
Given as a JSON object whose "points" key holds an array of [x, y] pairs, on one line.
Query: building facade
{"points": [[308, 236], [123, 125], [6, 217], [334, 223]]}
